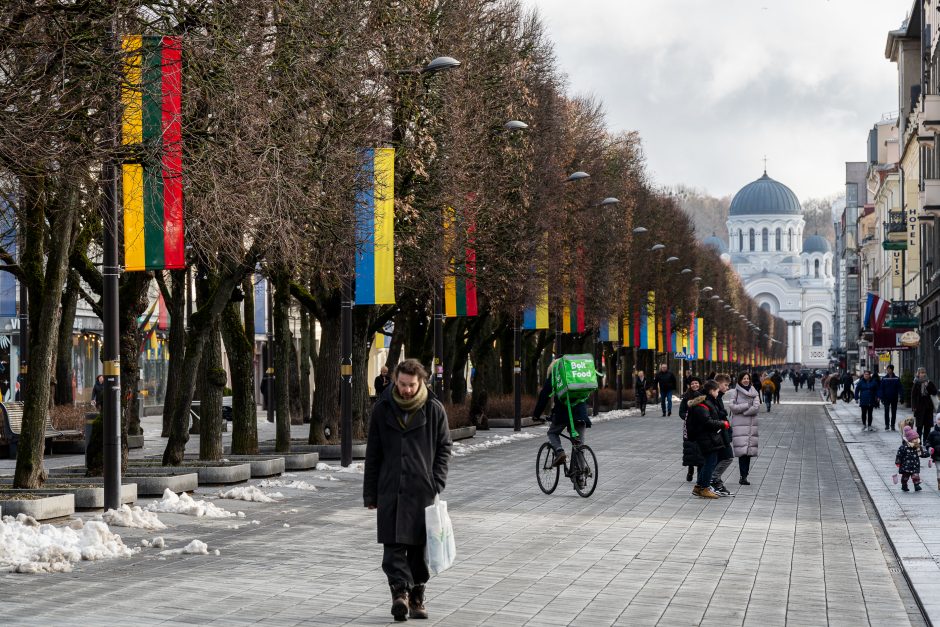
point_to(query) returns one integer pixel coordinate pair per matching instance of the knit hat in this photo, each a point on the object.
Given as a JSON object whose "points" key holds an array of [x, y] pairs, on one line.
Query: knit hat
{"points": [[909, 434]]}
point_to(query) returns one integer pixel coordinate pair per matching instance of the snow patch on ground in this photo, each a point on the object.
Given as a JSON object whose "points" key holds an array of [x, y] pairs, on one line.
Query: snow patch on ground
{"points": [[460, 449], [250, 493], [616, 414], [294, 485], [185, 504], [358, 467], [196, 547], [156, 543], [325, 477], [28, 547], [136, 517]]}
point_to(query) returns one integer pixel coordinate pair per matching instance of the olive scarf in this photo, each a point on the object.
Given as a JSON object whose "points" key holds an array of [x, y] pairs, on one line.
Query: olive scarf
{"points": [[408, 407]]}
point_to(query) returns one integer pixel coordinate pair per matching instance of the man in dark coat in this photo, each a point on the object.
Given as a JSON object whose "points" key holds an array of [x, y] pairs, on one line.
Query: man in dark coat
{"points": [[889, 391], [97, 392], [381, 382], [922, 391], [666, 382], [778, 384], [406, 466]]}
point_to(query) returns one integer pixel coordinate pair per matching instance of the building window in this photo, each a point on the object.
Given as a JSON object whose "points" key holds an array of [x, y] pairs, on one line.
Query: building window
{"points": [[763, 239], [817, 334], [750, 238], [790, 239], [777, 237], [829, 268], [740, 241], [816, 264], [806, 267]]}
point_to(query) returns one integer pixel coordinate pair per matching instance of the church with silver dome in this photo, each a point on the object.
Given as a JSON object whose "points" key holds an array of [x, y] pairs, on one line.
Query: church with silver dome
{"points": [[791, 276]]}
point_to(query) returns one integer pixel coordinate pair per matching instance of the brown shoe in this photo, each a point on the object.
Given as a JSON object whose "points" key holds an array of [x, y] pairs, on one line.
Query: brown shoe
{"points": [[560, 458], [400, 603], [416, 603]]}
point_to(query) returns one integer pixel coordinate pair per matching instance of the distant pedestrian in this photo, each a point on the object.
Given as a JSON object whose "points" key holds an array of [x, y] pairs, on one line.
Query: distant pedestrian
{"points": [[866, 393], [922, 392], [97, 392], [907, 459], [833, 384], [640, 385], [767, 389], [847, 387], [744, 405], [666, 383], [889, 391], [407, 456], [692, 455], [381, 381], [932, 444], [778, 384]]}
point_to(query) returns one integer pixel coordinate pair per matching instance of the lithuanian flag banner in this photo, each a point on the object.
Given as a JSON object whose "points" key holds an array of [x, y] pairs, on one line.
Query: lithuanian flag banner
{"points": [[152, 188], [460, 286], [627, 331], [375, 228]]}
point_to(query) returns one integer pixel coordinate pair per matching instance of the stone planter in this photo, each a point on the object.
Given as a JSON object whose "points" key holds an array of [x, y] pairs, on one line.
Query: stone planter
{"points": [[509, 423], [295, 460], [261, 465], [135, 441], [326, 451], [213, 473], [150, 482], [50, 505], [68, 447], [89, 492], [462, 433]]}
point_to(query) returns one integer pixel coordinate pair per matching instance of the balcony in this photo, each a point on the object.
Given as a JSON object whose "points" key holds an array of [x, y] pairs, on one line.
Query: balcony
{"points": [[895, 232], [902, 314], [930, 195], [926, 138], [931, 115]]}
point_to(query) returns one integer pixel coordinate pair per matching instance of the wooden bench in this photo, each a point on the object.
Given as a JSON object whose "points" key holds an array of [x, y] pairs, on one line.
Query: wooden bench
{"points": [[12, 415]]}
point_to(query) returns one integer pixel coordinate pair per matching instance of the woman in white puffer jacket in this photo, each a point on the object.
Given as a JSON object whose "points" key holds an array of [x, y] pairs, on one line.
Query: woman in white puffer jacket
{"points": [[744, 405]]}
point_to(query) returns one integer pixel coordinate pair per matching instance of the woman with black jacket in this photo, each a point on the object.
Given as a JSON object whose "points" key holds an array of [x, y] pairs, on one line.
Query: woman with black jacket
{"points": [[640, 385], [705, 428], [691, 454]]}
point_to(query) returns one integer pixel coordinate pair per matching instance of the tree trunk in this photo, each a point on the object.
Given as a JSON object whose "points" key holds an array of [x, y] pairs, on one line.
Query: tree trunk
{"points": [[326, 382], [133, 295], [174, 296], [296, 402], [45, 283], [210, 405], [362, 321], [282, 358], [398, 340], [63, 358], [306, 341], [240, 351]]}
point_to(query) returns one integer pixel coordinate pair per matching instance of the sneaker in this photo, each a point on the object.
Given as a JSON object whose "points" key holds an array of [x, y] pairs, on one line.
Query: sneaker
{"points": [[886, 428], [744, 481], [720, 489], [917, 487], [688, 475], [670, 412], [560, 458], [707, 493], [904, 488]]}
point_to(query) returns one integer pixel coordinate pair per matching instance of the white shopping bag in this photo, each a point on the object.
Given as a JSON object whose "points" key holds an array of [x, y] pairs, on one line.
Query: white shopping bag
{"points": [[441, 547]]}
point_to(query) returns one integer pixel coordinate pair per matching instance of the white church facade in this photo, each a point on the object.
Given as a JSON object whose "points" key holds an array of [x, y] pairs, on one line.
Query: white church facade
{"points": [[788, 275]]}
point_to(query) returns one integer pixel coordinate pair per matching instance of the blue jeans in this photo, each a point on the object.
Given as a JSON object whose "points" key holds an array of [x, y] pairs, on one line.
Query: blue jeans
{"points": [[768, 398], [705, 472], [665, 400]]}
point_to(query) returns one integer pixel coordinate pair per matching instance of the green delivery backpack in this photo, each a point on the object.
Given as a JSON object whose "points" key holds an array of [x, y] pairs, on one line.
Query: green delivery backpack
{"points": [[574, 379]]}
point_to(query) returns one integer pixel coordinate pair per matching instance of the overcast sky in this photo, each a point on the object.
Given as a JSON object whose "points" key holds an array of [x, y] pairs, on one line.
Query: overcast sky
{"points": [[714, 85]]}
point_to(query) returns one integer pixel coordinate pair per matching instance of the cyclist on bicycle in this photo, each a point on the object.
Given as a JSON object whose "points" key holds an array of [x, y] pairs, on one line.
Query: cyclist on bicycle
{"points": [[559, 418]]}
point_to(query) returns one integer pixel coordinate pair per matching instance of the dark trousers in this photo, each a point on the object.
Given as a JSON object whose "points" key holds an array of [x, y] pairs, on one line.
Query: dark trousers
{"points": [[665, 400], [705, 472], [923, 428], [641, 401], [891, 408], [867, 411], [404, 565], [744, 465]]}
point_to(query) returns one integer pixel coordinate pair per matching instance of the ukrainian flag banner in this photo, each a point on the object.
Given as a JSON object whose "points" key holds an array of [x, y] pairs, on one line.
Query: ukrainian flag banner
{"points": [[646, 323], [607, 330], [152, 188], [536, 317], [375, 228]]}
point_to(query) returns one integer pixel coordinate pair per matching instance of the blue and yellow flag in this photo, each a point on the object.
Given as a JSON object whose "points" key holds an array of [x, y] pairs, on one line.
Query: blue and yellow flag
{"points": [[375, 228]]}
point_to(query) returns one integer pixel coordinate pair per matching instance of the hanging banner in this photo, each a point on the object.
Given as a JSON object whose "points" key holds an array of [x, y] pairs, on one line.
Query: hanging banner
{"points": [[261, 305], [375, 228]]}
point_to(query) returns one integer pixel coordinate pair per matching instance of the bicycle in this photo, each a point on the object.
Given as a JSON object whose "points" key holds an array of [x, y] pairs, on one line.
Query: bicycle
{"points": [[582, 472]]}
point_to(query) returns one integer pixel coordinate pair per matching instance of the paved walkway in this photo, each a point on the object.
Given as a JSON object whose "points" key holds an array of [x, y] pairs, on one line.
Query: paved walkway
{"points": [[798, 546], [912, 520]]}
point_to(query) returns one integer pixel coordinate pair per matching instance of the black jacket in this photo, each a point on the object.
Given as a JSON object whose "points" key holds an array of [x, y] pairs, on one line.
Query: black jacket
{"points": [[933, 442], [405, 468], [704, 426], [665, 381], [921, 403], [380, 384]]}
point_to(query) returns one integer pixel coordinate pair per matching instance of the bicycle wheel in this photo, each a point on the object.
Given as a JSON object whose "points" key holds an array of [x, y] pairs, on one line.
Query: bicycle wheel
{"points": [[545, 473], [586, 480]]}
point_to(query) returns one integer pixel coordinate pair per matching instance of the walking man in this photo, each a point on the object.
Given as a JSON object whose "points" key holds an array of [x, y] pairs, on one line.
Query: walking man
{"points": [[406, 466], [889, 390], [922, 391], [666, 382]]}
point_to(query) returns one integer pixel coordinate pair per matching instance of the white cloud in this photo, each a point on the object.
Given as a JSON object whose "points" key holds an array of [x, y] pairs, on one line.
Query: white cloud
{"points": [[713, 86]]}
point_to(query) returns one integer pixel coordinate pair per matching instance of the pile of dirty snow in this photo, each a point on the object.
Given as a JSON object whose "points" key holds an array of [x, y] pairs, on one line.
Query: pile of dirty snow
{"points": [[250, 493], [185, 504], [126, 516], [156, 543], [196, 547], [460, 449], [28, 547], [615, 414], [358, 467], [294, 485]]}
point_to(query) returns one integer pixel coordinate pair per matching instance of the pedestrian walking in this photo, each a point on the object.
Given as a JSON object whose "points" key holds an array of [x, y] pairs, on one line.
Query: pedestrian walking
{"points": [[97, 392], [381, 382], [778, 385], [407, 455], [866, 394], [889, 391], [704, 428], [847, 385], [639, 390], [932, 444], [907, 459], [665, 383], [767, 389], [833, 384], [922, 392], [745, 405], [691, 453]]}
